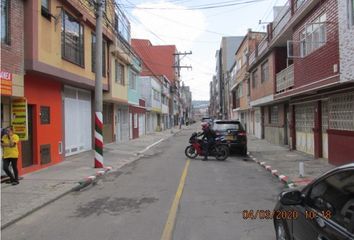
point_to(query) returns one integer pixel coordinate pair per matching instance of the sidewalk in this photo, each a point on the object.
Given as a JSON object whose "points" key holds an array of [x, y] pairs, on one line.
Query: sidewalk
{"points": [[284, 164], [39, 188]]}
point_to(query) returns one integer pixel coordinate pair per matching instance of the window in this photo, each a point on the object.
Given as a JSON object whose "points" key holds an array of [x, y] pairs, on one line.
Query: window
{"points": [[239, 90], [156, 95], [274, 117], [45, 9], [93, 55], [45, 4], [254, 79], [72, 42], [341, 112], [313, 36], [132, 80], [244, 56], [298, 3], [119, 73], [264, 72], [224, 126], [351, 12], [122, 25], [335, 194], [5, 38], [45, 115]]}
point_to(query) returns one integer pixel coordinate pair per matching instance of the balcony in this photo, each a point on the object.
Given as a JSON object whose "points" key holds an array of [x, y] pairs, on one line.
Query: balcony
{"points": [[166, 91], [285, 79], [252, 58], [287, 18], [282, 19], [263, 46]]}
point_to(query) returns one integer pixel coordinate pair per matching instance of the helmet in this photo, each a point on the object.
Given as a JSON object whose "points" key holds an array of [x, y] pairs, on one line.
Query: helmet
{"points": [[205, 125]]}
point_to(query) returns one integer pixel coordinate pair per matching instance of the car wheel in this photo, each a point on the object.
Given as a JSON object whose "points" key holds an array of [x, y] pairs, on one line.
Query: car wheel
{"points": [[280, 231], [221, 153]]}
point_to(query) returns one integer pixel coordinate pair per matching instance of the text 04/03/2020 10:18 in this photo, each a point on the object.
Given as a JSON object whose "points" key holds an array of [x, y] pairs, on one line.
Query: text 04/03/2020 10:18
{"points": [[282, 214]]}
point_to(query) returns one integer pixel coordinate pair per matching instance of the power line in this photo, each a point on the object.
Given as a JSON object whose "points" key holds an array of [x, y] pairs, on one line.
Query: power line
{"points": [[180, 23], [200, 7]]}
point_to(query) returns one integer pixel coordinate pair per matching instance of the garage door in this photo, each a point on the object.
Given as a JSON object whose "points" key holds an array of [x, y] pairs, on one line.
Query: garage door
{"points": [[304, 122], [78, 117], [141, 124], [258, 124]]}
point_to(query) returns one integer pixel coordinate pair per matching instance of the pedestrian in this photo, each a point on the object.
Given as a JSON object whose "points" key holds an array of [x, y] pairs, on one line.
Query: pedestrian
{"points": [[9, 142]]}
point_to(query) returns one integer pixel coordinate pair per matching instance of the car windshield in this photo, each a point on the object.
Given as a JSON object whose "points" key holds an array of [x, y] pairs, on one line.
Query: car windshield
{"points": [[227, 126]]}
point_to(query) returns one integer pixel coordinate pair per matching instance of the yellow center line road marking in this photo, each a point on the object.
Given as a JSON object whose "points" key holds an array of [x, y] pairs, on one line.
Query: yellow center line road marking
{"points": [[171, 220]]}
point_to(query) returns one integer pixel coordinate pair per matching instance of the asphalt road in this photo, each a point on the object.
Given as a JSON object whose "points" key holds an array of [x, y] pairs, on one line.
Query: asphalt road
{"points": [[134, 202]]}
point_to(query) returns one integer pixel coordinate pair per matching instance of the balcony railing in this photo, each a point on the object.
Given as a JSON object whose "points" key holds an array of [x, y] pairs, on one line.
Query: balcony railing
{"points": [[282, 19], [263, 45], [165, 91], [285, 79], [252, 58]]}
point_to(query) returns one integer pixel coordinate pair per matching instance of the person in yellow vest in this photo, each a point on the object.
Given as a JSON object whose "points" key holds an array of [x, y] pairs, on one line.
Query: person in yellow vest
{"points": [[9, 142]]}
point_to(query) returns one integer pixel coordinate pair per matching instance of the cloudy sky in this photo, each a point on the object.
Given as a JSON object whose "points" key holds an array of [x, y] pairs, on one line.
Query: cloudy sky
{"points": [[194, 26]]}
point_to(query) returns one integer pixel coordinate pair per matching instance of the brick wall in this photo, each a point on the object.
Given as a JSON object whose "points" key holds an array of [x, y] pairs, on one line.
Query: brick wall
{"points": [[265, 88], [346, 43], [319, 64], [12, 58]]}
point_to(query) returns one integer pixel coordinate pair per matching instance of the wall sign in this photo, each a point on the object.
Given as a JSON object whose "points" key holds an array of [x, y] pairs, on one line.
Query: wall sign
{"points": [[6, 83], [19, 117]]}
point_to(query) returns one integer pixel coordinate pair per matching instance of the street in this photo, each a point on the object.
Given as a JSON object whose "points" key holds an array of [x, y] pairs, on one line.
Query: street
{"points": [[134, 202]]}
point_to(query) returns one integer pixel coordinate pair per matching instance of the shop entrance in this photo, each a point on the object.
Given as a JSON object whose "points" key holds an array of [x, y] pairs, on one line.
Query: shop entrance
{"points": [[27, 146]]}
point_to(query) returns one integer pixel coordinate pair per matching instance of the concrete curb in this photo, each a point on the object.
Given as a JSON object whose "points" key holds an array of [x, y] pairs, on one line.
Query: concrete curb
{"points": [[282, 178], [91, 179]]}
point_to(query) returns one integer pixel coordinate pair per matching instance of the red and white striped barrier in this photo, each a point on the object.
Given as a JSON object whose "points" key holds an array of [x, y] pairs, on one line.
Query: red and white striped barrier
{"points": [[98, 140]]}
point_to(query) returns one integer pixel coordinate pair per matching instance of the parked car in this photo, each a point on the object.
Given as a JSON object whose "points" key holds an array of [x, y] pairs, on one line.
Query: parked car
{"points": [[323, 210], [234, 133]]}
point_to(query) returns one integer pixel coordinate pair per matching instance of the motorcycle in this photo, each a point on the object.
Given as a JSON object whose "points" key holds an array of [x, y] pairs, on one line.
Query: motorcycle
{"points": [[219, 150]]}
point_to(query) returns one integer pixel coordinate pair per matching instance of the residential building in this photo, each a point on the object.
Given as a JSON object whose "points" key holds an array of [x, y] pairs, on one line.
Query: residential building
{"points": [[186, 99], [12, 68], [165, 103], [213, 101], [159, 63], [136, 102], [224, 61], [58, 56], [310, 87], [117, 118], [240, 107]]}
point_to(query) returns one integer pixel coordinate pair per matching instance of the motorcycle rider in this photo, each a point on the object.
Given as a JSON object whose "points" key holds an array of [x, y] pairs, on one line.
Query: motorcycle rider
{"points": [[209, 136]]}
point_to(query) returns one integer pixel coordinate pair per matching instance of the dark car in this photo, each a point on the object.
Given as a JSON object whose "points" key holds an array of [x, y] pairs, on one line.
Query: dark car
{"points": [[234, 133], [323, 210]]}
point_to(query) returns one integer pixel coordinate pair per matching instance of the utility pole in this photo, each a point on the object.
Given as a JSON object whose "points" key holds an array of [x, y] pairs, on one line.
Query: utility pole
{"points": [[98, 88], [179, 67], [178, 63]]}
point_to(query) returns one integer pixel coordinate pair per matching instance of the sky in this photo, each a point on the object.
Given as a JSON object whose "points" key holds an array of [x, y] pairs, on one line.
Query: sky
{"points": [[191, 27]]}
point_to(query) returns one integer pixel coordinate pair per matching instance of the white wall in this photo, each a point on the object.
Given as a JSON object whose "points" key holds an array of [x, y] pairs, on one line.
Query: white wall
{"points": [[346, 42]]}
